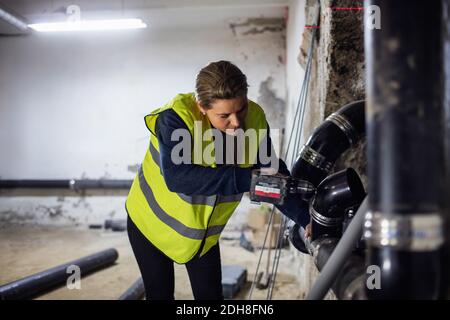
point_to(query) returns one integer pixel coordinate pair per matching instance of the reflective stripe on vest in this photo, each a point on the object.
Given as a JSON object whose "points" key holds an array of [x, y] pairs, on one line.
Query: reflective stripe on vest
{"points": [[196, 234]]}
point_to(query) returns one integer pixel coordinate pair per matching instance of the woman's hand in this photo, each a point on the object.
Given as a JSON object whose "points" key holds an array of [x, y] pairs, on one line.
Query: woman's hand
{"points": [[308, 231]]}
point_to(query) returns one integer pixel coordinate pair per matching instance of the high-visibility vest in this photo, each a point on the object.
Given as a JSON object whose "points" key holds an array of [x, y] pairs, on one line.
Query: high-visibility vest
{"points": [[174, 222]]}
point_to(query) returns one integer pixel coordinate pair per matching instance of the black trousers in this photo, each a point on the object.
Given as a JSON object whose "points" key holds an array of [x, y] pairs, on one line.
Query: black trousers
{"points": [[157, 270]]}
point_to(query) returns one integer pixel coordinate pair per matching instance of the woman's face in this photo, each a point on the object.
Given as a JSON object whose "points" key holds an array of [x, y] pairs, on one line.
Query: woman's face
{"points": [[227, 115]]}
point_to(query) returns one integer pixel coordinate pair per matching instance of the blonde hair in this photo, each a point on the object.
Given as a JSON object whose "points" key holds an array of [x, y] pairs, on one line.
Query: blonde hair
{"points": [[220, 80]]}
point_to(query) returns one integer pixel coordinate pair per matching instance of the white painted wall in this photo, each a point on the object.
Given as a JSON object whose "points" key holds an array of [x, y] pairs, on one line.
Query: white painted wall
{"points": [[72, 105]]}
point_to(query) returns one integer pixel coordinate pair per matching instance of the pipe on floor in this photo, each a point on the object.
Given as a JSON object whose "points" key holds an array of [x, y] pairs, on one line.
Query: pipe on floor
{"points": [[135, 292], [39, 283]]}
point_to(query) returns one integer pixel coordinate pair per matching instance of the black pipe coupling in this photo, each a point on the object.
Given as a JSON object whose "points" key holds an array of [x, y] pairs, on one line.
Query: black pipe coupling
{"points": [[340, 131], [335, 196]]}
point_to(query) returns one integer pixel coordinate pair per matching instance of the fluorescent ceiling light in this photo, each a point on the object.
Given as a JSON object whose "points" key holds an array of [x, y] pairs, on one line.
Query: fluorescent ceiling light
{"points": [[89, 25]]}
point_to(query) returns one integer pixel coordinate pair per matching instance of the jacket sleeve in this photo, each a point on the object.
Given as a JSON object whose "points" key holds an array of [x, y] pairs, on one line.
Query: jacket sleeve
{"points": [[192, 179]]}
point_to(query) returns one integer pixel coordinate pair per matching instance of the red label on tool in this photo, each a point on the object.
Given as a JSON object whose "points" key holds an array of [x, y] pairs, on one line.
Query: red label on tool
{"points": [[267, 192]]}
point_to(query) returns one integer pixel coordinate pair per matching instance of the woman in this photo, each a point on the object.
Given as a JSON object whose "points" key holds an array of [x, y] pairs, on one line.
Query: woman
{"points": [[180, 200]]}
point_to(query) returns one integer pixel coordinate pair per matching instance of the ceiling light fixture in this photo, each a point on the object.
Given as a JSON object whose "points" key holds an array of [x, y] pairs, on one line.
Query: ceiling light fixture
{"points": [[89, 25]]}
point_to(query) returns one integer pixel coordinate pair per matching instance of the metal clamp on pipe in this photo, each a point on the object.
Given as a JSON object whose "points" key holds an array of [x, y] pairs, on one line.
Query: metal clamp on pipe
{"points": [[339, 132]]}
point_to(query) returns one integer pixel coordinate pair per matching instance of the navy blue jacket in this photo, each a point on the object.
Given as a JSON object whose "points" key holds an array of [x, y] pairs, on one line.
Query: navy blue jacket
{"points": [[192, 179]]}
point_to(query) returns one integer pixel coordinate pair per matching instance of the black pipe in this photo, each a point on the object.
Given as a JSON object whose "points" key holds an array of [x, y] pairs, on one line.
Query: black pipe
{"points": [[335, 195], [334, 136], [73, 184], [39, 283], [135, 292], [350, 281], [404, 228], [116, 225], [446, 41]]}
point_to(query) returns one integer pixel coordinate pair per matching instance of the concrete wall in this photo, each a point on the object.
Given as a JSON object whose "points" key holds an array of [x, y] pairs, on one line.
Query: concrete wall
{"points": [[72, 105], [302, 265]]}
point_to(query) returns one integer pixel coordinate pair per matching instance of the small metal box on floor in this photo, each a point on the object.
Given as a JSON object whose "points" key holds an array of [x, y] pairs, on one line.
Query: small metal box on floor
{"points": [[233, 279]]}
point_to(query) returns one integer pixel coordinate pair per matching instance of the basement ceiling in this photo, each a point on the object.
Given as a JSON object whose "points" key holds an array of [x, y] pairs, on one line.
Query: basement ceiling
{"points": [[30, 10]]}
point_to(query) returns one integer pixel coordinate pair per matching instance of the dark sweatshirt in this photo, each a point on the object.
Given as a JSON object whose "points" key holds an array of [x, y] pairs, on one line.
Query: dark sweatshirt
{"points": [[192, 179]]}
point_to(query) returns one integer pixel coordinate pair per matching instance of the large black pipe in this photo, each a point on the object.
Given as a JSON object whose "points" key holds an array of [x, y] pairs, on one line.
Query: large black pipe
{"points": [[446, 41], [135, 292], [404, 227], [340, 131], [335, 195], [41, 282], [73, 184]]}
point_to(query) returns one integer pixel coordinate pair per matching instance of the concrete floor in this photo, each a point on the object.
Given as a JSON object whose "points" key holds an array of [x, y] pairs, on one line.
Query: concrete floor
{"points": [[26, 249]]}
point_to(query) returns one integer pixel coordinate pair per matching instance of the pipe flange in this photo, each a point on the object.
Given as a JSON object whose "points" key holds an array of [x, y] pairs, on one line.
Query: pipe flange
{"points": [[315, 159], [415, 232], [345, 125], [324, 221]]}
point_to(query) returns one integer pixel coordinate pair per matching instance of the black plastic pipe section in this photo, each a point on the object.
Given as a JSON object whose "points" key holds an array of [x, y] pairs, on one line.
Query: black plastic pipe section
{"points": [[135, 292], [341, 263], [66, 184], [446, 40], [41, 282], [335, 195], [445, 294], [349, 281], [404, 228], [334, 136]]}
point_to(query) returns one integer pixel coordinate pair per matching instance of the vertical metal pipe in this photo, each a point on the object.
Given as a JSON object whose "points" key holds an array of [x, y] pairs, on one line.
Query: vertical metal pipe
{"points": [[404, 226]]}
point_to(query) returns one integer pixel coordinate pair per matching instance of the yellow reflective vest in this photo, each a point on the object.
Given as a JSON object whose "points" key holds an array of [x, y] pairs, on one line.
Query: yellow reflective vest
{"points": [[174, 222]]}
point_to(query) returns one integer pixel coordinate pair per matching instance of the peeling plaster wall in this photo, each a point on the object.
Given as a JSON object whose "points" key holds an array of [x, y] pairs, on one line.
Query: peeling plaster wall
{"points": [[72, 106], [337, 79], [338, 70], [260, 45]]}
